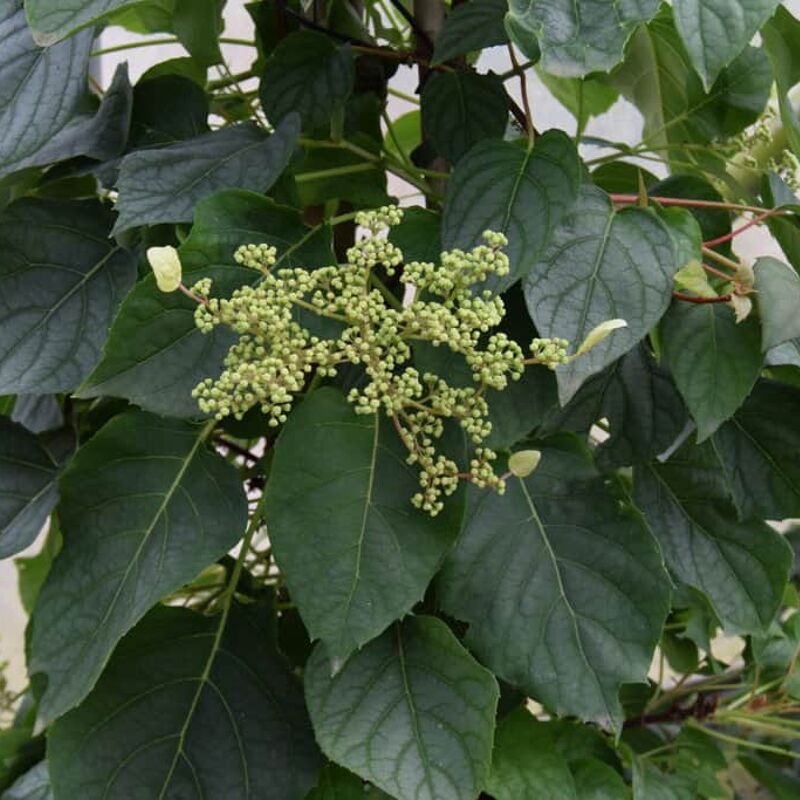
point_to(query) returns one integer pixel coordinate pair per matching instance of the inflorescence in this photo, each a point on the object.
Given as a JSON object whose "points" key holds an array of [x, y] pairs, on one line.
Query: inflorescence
{"points": [[277, 354]]}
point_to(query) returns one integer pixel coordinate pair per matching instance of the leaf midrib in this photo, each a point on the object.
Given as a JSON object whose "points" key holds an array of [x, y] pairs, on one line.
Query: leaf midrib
{"points": [[145, 539], [78, 286], [363, 531], [562, 591], [412, 710], [709, 537]]}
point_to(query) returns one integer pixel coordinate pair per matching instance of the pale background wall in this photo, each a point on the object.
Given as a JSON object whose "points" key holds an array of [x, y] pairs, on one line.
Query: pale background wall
{"points": [[621, 123]]}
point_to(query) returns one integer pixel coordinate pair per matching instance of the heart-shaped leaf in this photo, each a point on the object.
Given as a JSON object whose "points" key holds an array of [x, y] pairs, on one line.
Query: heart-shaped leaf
{"points": [[189, 706], [742, 566], [61, 282], [340, 514], [552, 545], [716, 31], [165, 184], [144, 507], [499, 186], [600, 265], [412, 712], [577, 36]]}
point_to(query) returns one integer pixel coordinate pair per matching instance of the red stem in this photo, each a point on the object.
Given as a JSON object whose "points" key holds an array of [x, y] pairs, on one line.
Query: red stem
{"points": [[734, 233], [687, 298]]}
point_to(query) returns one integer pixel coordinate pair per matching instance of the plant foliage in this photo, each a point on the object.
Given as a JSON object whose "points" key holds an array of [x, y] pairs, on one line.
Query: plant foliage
{"points": [[380, 439]]}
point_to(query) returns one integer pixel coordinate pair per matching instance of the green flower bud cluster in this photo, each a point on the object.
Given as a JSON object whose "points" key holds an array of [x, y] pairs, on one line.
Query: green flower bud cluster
{"points": [[276, 355], [550, 352], [256, 256]]}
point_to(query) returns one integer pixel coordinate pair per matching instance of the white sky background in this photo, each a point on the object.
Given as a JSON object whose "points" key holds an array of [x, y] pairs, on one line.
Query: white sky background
{"points": [[621, 123]]}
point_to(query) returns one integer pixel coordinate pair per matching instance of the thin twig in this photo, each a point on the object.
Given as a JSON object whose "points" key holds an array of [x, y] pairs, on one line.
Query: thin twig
{"points": [[523, 85], [413, 24], [734, 233], [689, 203]]}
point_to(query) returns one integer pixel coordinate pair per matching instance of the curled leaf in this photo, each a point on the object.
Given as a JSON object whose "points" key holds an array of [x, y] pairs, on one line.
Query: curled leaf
{"points": [[166, 265], [693, 278], [524, 462], [600, 332]]}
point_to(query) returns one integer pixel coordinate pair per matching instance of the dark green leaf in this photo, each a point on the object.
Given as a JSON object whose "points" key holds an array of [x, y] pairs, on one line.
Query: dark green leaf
{"points": [[595, 780], [577, 36], [51, 21], [144, 16], [155, 354], [38, 412], [600, 265], [471, 26], [521, 767], [167, 109], [308, 74], [572, 740], [658, 78], [183, 67], [650, 783], [522, 193], [28, 490], [555, 544], [336, 783], [460, 109], [418, 235], [189, 706], [781, 37], [759, 447], [714, 222], [686, 233], [521, 407], [716, 31], [164, 185], [622, 177], [61, 281], [412, 712], [778, 297], [742, 566], [39, 89], [340, 514], [198, 24], [776, 193], [584, 98], [33, 785], [714, 360], [144, 507], [700, 756], [41, 100], [640, 402]]}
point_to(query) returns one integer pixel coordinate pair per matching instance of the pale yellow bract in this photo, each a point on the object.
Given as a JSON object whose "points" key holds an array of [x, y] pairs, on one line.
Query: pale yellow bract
{"points": [[166, 265], [524, 462]]}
